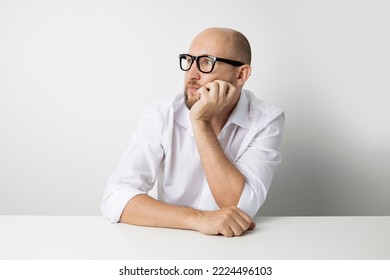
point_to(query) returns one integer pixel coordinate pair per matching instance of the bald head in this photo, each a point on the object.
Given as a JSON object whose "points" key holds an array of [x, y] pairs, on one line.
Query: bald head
{"points": [[225, 42]]}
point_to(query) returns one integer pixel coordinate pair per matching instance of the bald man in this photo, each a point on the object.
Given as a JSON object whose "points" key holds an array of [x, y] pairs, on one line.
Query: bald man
{"points": [[212, 149]]}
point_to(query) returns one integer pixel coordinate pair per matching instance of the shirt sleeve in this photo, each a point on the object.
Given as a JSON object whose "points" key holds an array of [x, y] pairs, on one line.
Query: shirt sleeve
{"points": [[258, 163], [138, 166]]}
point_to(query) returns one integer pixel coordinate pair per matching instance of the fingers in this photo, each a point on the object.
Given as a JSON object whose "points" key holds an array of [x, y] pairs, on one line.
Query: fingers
{"points": [[203, 91], [214, 97], [226, 221], [214, 88], [220, 88], [219, 93], [235, 222]]}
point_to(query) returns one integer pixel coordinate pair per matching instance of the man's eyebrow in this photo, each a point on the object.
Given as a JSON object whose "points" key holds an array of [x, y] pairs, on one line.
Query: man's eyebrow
{"points": [[205, 54]]}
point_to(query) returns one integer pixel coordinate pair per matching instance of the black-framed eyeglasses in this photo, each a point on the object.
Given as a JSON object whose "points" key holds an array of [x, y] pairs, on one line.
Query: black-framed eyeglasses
{"points": [[205, 63]]}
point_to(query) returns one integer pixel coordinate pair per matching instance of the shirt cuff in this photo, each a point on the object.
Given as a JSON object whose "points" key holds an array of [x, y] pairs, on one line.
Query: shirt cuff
{"points": [[250, 202], [113, 205]]}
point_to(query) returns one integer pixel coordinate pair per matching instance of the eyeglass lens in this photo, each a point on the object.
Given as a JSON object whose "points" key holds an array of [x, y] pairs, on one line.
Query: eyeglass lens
{"points": [[204, 63]]}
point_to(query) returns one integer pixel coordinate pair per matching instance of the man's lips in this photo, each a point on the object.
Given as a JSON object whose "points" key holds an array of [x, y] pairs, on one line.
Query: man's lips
{"points": [[193, 89], [193, 85]]}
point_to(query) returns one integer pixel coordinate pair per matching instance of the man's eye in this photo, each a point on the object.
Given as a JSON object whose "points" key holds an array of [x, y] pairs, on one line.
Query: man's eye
{"points": [[207, 62]]}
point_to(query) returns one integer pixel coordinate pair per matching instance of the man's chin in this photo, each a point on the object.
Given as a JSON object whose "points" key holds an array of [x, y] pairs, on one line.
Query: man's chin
{"points": [[189, 101], [189, 104]]}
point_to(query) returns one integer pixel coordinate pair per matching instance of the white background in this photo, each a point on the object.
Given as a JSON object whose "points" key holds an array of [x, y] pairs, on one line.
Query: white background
{"points": [[75, 76]]}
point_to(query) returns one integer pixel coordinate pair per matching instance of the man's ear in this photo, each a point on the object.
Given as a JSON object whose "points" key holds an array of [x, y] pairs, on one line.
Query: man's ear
{"points": [[243, 74]]}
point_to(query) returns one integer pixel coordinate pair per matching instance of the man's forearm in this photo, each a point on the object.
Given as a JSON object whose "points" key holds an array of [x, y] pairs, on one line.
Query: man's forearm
{"points": [[143, 210], [225, 181]]}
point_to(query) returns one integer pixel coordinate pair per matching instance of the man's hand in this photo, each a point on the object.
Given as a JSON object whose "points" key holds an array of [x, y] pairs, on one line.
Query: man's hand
{"points": [[214, 97], [226, 221]]}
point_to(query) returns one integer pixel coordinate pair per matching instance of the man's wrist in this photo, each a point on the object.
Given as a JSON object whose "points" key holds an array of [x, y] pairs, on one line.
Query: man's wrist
{"points": [[200, 124], [196, 118], [192, 218]]}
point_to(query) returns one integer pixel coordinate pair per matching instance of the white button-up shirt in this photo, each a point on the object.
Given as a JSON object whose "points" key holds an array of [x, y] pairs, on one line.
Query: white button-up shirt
{"points": [[163, 148]]}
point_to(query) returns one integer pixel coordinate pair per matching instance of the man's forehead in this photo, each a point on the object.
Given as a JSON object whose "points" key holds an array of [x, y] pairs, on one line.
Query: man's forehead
{"points": [[211, 42]]}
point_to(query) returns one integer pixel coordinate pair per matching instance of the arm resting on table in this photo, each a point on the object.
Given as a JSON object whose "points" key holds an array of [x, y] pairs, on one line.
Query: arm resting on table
{"points": [[144, 210]]}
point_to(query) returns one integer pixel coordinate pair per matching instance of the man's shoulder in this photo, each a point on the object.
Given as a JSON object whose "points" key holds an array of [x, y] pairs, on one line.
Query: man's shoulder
{"points": [[165, 109], [261, 113], [170, 103], [260, 107]]}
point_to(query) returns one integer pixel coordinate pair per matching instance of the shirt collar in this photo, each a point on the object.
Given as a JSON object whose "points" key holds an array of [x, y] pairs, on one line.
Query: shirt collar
{"points": [[182, 116], [240, 114]]}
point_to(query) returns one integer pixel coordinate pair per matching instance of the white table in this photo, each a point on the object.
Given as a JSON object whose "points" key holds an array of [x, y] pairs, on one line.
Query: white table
{"points": [[275, 238]]}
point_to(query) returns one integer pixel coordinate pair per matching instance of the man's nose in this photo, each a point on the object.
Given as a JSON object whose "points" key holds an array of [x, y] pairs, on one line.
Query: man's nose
{"points": [[193, 72]]}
